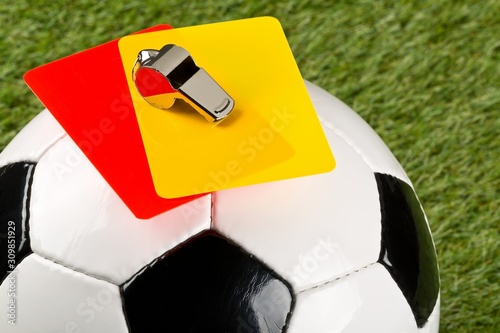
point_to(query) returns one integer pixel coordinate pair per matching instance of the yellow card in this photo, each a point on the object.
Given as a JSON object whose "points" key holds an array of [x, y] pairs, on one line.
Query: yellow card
{"points": [[272, 133]]}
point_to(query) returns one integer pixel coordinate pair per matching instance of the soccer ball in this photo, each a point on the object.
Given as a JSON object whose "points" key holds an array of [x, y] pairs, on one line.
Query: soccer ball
{"points": [[346, 251]]}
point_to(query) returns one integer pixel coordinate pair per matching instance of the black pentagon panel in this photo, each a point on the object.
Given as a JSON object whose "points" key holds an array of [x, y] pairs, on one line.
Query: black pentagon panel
{"points": [[207, 284], [15, 192], [407, 250]]}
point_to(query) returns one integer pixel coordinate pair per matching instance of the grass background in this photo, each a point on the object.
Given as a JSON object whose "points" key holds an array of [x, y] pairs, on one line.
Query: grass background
{"points": [[424, 74]]}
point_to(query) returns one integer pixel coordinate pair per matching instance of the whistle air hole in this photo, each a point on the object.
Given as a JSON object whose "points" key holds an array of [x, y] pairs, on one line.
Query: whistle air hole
{"points": [[186, 69]]}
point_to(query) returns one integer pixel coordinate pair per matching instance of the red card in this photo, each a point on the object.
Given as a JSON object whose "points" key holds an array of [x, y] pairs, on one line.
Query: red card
{"points": [[88, 94]]}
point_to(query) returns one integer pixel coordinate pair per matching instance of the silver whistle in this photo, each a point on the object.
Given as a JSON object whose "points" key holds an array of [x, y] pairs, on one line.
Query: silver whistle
{"points": [[194, 84]]}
